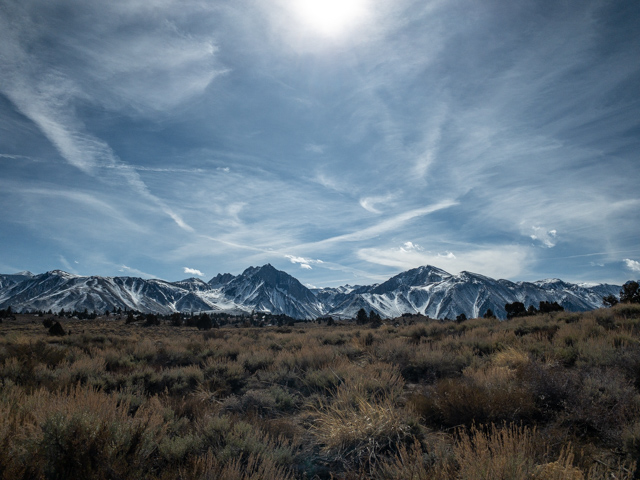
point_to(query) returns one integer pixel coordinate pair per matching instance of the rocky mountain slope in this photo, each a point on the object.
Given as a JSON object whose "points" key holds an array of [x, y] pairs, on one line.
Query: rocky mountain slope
{"points": [[427, 290]]}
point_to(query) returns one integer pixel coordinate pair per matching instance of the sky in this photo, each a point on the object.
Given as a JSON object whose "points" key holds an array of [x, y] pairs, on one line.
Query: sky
{"points": [[343, 141]]}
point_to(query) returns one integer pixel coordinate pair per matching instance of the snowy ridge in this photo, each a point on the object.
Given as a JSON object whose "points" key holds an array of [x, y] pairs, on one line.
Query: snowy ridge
{"points": [[425, 290]]}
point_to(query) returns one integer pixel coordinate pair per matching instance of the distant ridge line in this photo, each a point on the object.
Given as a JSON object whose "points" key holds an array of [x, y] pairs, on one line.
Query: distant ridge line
{"points": [[426, 290]]}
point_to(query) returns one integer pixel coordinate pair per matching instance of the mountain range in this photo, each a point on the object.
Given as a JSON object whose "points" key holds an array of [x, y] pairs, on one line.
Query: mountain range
{"points": [[426, 290]]}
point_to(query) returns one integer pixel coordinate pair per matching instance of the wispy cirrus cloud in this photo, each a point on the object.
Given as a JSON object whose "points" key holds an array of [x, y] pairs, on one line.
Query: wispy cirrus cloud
{"points": [[370, 203], [48, 95], [390, 224], [130, 270]]}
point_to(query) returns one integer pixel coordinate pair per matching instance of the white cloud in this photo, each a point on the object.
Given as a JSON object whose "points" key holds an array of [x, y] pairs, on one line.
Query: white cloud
{"points": [[547, 237], [193, 271], [410, 246], [303, 262], [632, 265]]}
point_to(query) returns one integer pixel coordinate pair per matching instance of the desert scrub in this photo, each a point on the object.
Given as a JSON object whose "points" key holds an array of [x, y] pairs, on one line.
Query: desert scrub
{"points": [[506, 452], [80, 433], [603, 403], [492, 393], [224, 376], [253, 467], [127, 401], [357, 430]]}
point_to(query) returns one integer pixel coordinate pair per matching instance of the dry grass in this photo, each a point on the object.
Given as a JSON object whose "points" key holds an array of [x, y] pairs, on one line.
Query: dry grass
{"points": [[356, 428], [549, 397]]}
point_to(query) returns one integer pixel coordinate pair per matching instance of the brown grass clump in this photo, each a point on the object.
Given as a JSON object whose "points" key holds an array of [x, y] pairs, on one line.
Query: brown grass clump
{"points": [[360, 434], [507, 452]]}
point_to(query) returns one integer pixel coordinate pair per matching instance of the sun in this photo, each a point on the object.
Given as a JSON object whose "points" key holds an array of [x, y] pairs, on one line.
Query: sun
{"points": [[330, 17]]}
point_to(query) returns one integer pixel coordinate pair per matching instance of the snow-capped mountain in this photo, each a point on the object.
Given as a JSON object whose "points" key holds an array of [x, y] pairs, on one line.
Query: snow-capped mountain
{"points": [[427, 290], [58, 290], [433, 292], [266, 289], [8, 280]]}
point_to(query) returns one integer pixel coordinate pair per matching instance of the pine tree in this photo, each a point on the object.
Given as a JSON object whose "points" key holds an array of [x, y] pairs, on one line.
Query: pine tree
{"points": [[630, 292], [609, 300], [361, 317]]}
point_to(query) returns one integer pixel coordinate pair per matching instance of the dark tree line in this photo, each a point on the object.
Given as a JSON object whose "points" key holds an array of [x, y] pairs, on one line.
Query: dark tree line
{"points": [[372, 318], [517, 309]]}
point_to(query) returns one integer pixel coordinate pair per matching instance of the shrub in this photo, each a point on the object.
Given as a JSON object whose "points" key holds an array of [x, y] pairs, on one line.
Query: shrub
{"points": [[509, 452], [57, 330], [359, 431], [603, 403], [489, 394]]}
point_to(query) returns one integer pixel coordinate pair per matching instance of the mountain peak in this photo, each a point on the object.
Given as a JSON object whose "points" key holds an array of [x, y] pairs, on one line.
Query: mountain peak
{"points": [[24, 273], [191, 280], [419, 276], [62, 273], [221, 279]]}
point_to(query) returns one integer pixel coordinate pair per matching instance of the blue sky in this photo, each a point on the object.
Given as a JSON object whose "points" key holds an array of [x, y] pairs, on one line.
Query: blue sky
{"points": [[341, 141]]}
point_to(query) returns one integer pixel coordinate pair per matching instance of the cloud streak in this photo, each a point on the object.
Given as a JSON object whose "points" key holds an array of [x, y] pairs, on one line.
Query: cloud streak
{"points": [[48, 96], [387, 225]]}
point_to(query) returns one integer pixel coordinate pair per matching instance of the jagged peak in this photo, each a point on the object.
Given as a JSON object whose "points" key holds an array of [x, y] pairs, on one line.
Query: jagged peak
{"points": [[414, 277], [268, 268], [550, 282], [24, 273], [466, 274], [62, 273], [253, 270], [192, 280], [431, 268], [221, 279], [264, 271]]}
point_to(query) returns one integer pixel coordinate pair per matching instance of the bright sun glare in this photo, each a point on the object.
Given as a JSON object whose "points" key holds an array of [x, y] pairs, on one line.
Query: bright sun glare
{"points": [[330, 17]]}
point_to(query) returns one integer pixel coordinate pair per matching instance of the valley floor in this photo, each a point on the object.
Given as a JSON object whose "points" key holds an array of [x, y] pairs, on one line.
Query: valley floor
{"points": [[554, 396]]}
